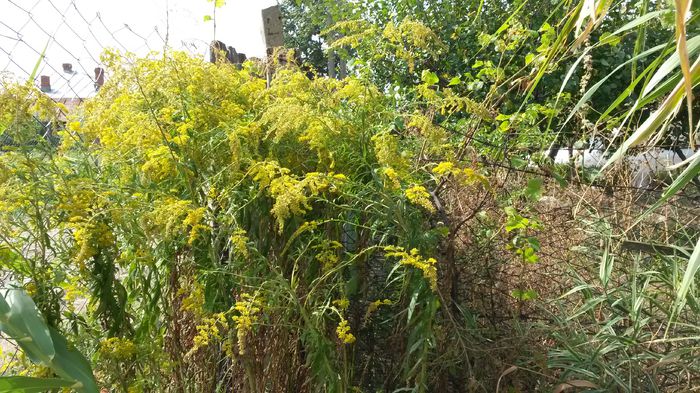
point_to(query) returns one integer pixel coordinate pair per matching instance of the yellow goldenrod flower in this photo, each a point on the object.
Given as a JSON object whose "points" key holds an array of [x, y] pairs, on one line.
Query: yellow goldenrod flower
{"points": [[413, 258], [343, 331], [419, 196]]}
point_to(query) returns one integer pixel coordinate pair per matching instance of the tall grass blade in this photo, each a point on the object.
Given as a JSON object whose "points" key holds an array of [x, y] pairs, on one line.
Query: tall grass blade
{"points": [[682, 11]]}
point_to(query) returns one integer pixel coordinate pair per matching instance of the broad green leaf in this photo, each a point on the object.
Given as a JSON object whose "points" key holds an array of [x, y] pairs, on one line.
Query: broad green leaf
{"points": [[31, 384], [609, 39], [534, 188], [25, 319], [529, 294], [429, 78], [529, 58], [454, 81], [71, 364]]}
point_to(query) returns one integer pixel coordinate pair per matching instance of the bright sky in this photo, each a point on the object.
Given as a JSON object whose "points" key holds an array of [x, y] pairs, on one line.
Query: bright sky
{"points": [[77, 30]]}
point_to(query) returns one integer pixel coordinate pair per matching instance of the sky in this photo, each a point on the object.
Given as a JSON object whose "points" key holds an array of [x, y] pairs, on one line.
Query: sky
{"points": [[76, 31]]}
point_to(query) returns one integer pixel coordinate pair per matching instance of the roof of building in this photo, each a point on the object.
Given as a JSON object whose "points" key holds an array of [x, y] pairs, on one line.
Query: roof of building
{"points": [[67, 83]]}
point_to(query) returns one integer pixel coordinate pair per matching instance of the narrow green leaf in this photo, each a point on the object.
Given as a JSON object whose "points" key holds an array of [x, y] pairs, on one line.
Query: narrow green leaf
{"points": [[38, 63], [638, 21], [689, 275], [671, 64], [505, 24], [656, 119], [31, 384], [589, 93], [628, 90], [690, 172]]}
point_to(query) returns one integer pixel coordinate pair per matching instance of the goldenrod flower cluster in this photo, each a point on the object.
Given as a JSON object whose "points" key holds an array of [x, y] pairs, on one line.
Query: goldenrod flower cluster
{"points": [[343, 332], [239, 243], [116, 348], [161, 163], [413, 258], [342, 303], [443, 168], [292, 195], [89, 238], [374, 306], [194, 220], [386, 148], [392, 177], [419, 196], [411, 36], [248, 309], [175, 216], [435, 137], [194, 300], [466, 176], [209, 330], [327, 254]]}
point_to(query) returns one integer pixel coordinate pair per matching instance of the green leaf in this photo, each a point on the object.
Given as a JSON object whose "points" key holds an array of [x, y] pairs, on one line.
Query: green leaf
{"points": [[534, 189], [429, 78], [661, 115], [631, 25], [595, 87], [4, 309], [512, 15], [71, 364], [606, 265], [671, 64], [25, 324], [689, 275], [518, 163], [629, 89], [454, 81], [529, 58], [207, 18], [530, 256], [31, 385], [529, 294], [609, 39], [38, 63]]}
